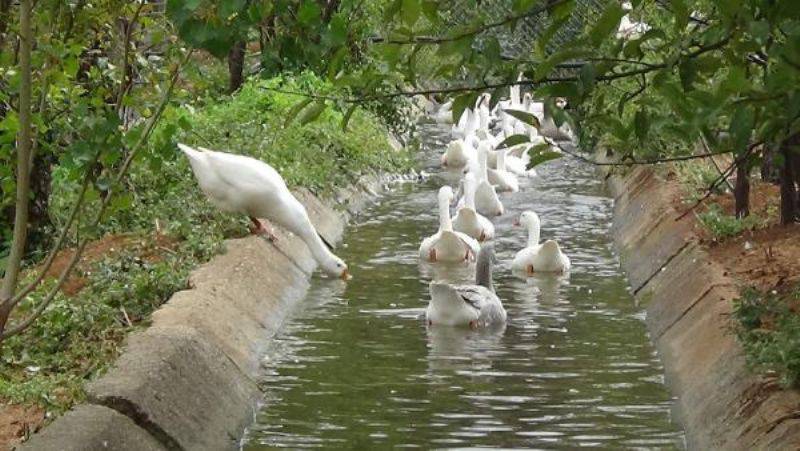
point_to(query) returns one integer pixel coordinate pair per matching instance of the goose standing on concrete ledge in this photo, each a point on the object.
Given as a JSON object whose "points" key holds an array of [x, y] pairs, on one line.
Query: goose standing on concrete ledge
{"points": [[467, 305], [240, 184]]}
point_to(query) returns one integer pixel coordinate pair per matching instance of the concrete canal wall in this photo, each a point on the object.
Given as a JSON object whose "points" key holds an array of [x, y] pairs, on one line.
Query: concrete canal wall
{"points": [[187, 382], [688, 298]]}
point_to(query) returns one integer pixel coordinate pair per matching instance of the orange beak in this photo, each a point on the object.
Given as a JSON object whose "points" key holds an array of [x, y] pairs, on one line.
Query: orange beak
{"points": [[345, 275]]}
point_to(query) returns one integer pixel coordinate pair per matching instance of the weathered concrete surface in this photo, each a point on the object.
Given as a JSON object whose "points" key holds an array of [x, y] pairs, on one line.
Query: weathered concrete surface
{"points": [[688, 298], [186, 382], [90, 428], [181, 387]]}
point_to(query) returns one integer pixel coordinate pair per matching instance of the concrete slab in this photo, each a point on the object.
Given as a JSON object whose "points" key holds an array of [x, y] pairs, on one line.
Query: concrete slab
{"points": [[90, 428], [173, 382]]}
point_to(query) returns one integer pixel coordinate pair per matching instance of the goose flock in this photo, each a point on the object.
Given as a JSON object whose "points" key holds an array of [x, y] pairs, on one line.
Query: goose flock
{"points": [[487, 168], [244, 185]]}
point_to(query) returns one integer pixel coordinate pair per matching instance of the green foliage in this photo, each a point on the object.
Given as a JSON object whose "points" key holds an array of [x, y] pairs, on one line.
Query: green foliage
{"points": [[78, 337], [722, 225], [768, 327]]}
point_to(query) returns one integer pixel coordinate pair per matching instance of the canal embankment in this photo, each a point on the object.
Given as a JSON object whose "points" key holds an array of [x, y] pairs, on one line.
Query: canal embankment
{"points": [[188, 380], [688, 298]]}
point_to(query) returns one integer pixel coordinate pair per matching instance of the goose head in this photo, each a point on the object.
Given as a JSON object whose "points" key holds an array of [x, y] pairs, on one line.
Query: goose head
{"points": [[627, 6], [335, 267], [527, 219]]}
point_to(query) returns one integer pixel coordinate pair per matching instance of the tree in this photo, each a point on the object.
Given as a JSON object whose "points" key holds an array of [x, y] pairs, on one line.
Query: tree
{"points": [[77, 118]]}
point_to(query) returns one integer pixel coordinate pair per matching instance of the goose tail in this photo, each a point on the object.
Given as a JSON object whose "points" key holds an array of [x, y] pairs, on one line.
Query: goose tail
{"points": [[190, 152]]}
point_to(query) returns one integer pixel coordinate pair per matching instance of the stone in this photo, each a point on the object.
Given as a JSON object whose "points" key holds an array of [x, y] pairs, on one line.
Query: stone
{"points": [[90, 428]]}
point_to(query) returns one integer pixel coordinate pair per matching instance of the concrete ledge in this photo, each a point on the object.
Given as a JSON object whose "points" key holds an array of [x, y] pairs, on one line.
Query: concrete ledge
{"points": [[179, 386], [90, 428], [186, 382], [688, 297]]}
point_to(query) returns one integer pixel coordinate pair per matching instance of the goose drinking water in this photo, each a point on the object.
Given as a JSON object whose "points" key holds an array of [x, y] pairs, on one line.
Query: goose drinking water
{"points": [[240, 184]]}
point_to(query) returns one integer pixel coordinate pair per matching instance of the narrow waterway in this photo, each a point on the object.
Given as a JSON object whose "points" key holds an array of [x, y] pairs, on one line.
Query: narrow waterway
{"points": [[356, 367]]}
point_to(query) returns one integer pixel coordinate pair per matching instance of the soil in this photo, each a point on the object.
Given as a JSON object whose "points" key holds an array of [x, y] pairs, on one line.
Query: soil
{"points": [[18, 422], [766, 258], [151, 250]]}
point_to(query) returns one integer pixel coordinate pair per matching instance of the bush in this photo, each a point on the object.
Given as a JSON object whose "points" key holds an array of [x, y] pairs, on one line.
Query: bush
{"points": [[769, 330], [722, 225]]}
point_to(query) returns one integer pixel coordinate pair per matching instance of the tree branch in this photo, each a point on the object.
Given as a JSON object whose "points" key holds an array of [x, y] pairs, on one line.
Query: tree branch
{"points": [[428, 40], [24, 143], [24, 324]]}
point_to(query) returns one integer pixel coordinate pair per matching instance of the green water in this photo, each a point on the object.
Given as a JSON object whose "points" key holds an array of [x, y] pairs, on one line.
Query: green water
{"points": [[356, 367]]}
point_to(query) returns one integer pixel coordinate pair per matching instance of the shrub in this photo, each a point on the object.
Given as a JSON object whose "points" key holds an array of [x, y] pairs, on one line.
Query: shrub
{"points": [[722, 225], [769, 331]]}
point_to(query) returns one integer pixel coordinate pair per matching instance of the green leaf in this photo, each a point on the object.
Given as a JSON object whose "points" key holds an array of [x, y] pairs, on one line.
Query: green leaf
{"points": [[541, 153], [681, 14], [607, 24], [309, 13], [312, 113], [411, 12], [295, 110], [496, 97], [431, 10], [587, 76], [514, 140], [461, 103], [641, 123], [741, 128], [525, 117], [392, 10], [347, 116]]}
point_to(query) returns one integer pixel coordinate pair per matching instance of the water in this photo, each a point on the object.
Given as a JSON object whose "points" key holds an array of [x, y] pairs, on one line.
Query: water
{"points": [[356, 367]]}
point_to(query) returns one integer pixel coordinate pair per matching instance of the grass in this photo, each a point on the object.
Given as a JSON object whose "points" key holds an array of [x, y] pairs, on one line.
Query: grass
{"points": [[722, 225], [79, 336], [768, 327]]}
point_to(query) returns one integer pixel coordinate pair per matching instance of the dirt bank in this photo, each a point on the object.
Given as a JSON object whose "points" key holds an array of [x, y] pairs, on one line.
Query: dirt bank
{"points": [[688, 293]]}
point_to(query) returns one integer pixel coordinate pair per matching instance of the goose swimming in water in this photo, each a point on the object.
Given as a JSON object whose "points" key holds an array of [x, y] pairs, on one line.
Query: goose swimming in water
{"points": [[535, 257], [469, 221], [240, 184], [447, 245], [467, 305]]}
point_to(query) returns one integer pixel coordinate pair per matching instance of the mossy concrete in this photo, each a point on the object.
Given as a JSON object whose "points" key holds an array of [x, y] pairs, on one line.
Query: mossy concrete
{"points": [[688, 298]]}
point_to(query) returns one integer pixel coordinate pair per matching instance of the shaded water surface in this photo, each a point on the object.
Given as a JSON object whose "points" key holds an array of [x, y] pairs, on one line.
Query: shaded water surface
{"points": [[356, 366]]}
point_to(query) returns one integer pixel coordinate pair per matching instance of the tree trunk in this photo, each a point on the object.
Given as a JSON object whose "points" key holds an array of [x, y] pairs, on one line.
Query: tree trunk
{"points": [[5, 16], [742, 190], [236, 66], [330, 7], [789, 201], [24, 144]]}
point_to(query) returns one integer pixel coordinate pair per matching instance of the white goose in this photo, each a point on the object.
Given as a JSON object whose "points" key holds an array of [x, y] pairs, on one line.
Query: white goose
{"points": [[469, 221], [240, 184], [447, 245], [500, 177], [535, 257], [486, 201], [457, 155], [467, 305]]}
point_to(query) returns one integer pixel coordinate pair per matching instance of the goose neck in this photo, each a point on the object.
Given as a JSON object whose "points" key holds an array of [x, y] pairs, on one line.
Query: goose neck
{"points": [[469, 192], [533, 233], [445, 223], [501, 160]]}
